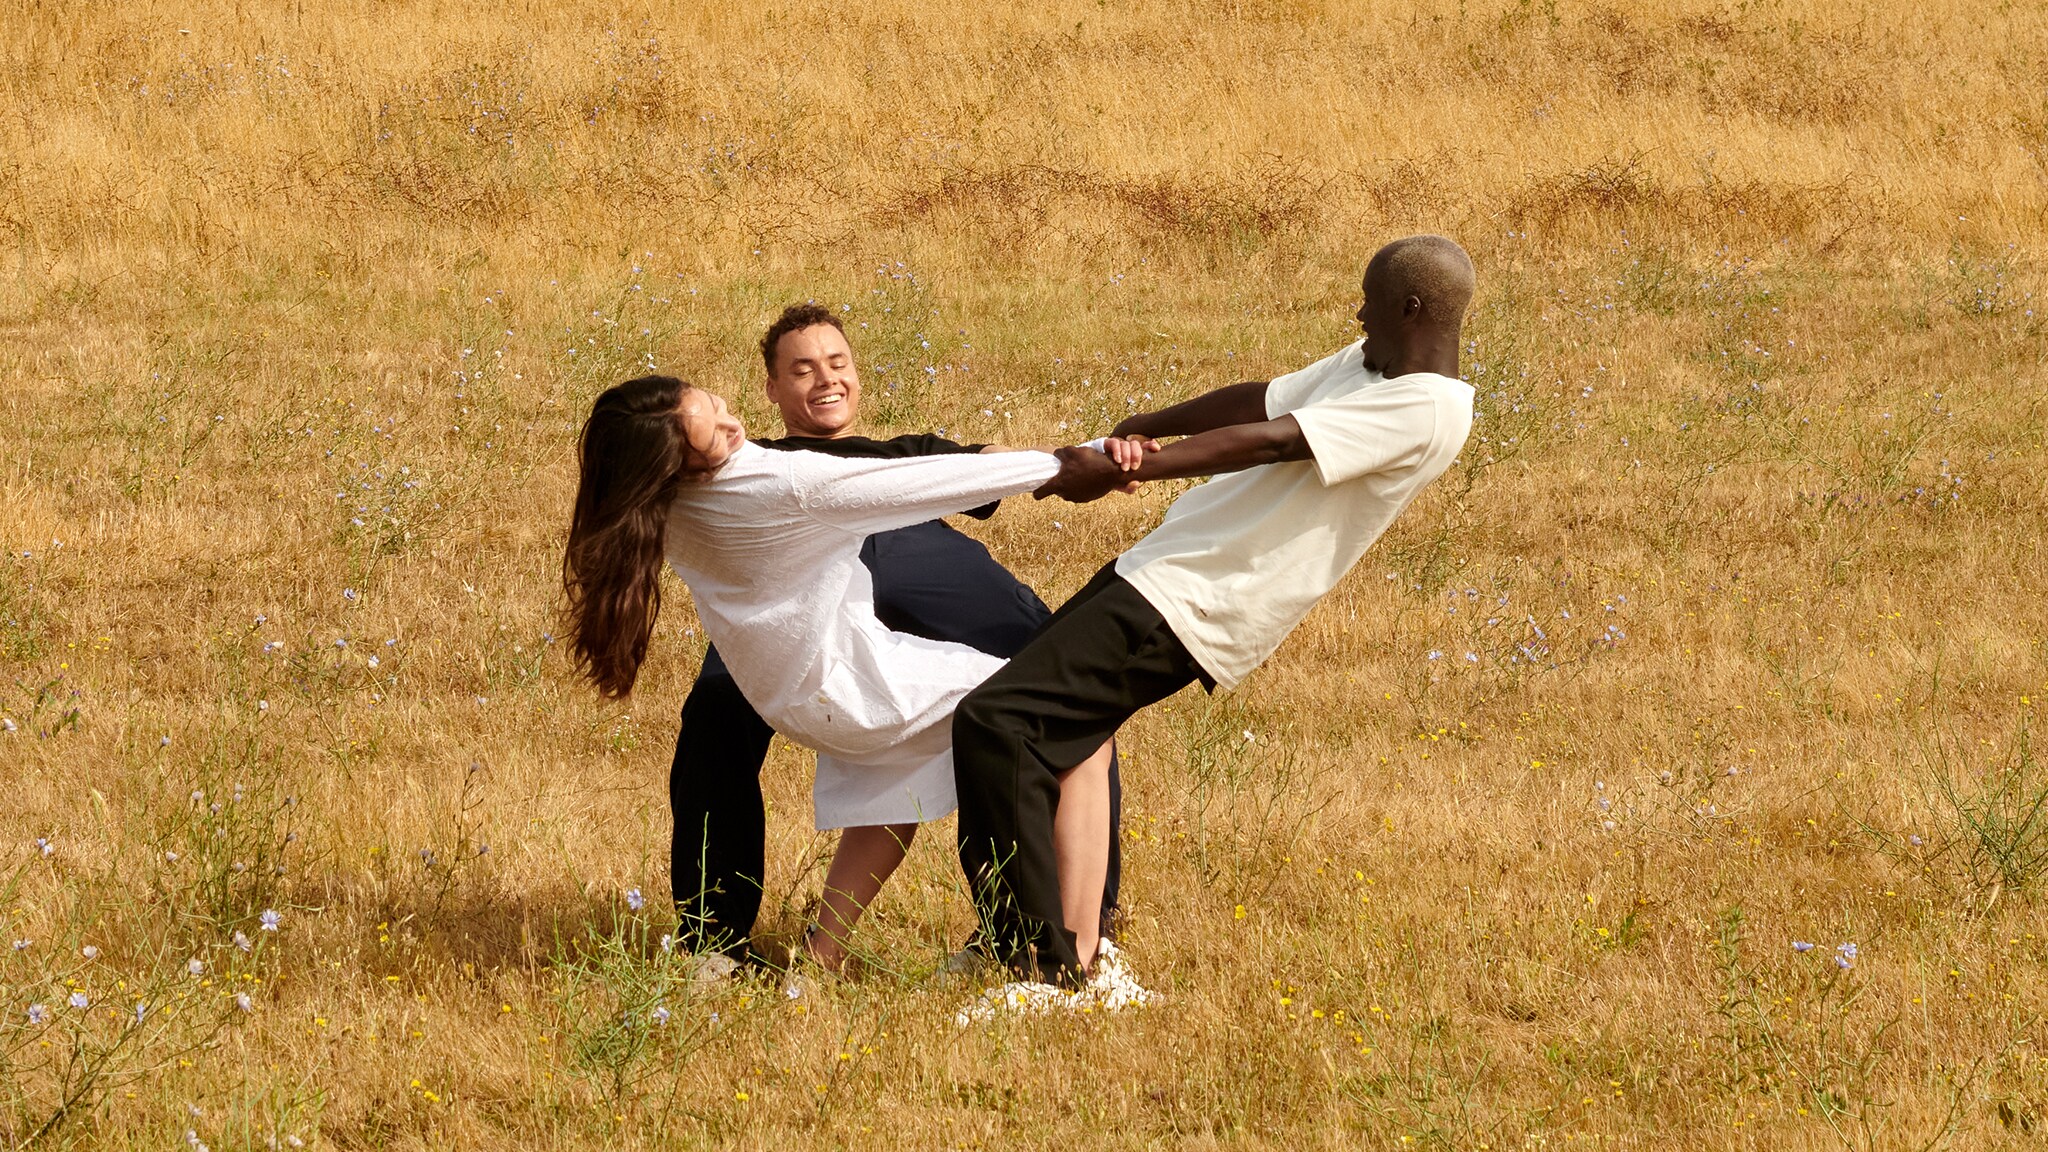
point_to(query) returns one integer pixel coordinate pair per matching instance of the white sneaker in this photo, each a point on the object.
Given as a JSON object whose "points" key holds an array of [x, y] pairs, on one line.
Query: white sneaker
{"points": [[1112, 987], [711, 970], [1020, 998]]}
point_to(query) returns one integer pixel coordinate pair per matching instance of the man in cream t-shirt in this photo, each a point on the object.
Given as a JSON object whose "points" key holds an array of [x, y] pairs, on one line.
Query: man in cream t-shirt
{"points": [[1322, 459]]}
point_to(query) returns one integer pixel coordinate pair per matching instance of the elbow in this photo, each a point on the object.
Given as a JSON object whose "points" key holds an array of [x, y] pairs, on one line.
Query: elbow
{"points": [[1283, 441]]}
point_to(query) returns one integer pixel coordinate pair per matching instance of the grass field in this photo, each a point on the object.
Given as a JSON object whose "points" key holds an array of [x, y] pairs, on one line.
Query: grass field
{"points": [[1720, 637]]}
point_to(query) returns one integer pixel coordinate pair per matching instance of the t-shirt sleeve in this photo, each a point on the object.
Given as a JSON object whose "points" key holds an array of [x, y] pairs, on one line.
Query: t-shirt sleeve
{"points": [[1286, 393], [865, 496], [1376, 429]]}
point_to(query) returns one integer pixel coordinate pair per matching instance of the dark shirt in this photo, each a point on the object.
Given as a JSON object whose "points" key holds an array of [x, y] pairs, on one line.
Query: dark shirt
{"points": [[896, 447]]}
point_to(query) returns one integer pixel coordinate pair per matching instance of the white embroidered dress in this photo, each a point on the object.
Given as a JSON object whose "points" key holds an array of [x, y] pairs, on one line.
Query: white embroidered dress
{"points": [[770, 547]]}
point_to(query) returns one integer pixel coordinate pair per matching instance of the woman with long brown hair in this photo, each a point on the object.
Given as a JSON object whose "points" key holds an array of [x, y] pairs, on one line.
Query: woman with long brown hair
{"points": [[769, 543]]}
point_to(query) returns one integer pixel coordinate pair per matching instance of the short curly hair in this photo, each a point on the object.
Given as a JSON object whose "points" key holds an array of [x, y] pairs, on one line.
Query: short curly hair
{"points": [[794, 318]]}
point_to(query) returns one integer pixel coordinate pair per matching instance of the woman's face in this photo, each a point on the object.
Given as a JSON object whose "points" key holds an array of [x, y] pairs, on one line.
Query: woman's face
{"points": [[711, 430]]}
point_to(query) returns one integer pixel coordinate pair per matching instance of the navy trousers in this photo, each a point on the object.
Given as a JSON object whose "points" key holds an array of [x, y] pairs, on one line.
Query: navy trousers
{"points": [[931, 581]]}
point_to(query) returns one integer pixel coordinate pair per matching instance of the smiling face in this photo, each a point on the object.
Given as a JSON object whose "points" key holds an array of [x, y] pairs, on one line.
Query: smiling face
{"points": [[710, 428], [814, 382]]}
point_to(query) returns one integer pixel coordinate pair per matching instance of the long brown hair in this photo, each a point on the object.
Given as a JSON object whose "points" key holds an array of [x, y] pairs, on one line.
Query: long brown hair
{"points": [[633, 458]]}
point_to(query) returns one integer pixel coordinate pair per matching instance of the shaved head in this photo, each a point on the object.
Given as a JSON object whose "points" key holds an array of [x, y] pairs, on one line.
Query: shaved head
{"points": [[1416, 293], [1433, 269]]}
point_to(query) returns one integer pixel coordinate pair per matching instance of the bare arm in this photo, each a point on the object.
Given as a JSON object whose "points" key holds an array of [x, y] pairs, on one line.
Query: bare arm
{"points": [[1232, 404], [1228, 449], [1231, 448]]}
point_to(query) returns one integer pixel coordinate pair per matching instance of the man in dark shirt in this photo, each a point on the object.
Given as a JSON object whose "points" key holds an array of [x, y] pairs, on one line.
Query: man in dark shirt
{"points": [[931, 580]]}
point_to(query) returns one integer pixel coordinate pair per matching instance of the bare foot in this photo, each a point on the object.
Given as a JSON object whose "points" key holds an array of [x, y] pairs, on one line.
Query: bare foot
{"points": [[821, 949]]}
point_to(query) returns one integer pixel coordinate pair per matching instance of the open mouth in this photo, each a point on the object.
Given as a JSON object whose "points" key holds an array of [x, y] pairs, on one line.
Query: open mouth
{"points": [[831, 401]]}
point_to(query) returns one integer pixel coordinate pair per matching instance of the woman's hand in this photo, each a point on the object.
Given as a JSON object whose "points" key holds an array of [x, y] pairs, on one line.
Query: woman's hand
{"points": [[1129, 451]]}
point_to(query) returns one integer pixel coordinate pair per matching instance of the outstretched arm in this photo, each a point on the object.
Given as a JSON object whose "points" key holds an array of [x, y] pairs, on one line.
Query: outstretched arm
{"points": [[864, 496], [1233, 404], [1232, 448], [1087, 475]]}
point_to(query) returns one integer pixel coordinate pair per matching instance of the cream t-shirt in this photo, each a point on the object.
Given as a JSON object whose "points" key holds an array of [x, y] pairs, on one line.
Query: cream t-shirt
{"points": [[1239, 560]]}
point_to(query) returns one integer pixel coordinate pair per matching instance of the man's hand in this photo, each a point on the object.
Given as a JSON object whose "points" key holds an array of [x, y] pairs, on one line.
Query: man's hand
{"points": [[1085, 474]]}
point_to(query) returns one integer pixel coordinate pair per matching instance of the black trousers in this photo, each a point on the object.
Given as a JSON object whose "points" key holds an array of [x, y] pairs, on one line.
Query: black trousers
{"points": [[1103, 656], [930, 581]]}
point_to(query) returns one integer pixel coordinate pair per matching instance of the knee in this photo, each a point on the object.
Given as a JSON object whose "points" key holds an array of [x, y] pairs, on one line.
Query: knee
{"points": [[991, 718], [1095, 767], [977, 716]]}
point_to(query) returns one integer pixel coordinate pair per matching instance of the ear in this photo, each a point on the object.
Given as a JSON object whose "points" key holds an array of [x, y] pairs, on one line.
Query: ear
{"points": [[1411, 307]]}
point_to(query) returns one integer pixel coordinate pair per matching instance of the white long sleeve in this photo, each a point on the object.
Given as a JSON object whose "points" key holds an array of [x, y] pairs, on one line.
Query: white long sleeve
{"points": [[770, 546], [863, 496]]}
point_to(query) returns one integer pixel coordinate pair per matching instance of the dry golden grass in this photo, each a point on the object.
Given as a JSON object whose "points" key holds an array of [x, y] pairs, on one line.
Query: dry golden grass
{"points": [[308, 297]]}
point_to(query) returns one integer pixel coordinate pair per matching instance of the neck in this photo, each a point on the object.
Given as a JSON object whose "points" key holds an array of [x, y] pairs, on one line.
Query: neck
{"points": [[1423, 351]]}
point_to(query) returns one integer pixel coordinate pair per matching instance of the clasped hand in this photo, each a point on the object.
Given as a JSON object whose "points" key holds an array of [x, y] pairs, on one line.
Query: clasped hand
{"points": [[1090, 472]]}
